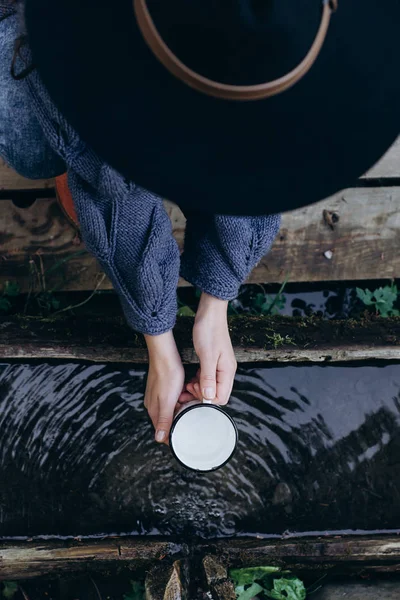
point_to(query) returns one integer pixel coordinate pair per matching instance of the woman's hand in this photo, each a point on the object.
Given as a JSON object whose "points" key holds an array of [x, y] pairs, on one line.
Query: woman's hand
{"points": [[213, 346], [165, 382]]}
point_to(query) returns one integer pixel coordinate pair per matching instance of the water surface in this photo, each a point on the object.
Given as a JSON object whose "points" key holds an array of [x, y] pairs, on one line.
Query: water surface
{"points": [[319, 450]]}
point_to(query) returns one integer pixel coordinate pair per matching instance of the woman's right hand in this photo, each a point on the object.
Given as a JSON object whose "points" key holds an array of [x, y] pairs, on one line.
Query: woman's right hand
{"points": [[165, 382]]}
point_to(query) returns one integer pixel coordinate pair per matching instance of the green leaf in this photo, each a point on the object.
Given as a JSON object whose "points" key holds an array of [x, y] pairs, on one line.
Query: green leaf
{"points": [[260, 300], [11, 288], [287, 589], [386, 294], [5, 304], [185, 311], [365, 296], [382, 299], [137, 591], [249, 575], [55, 304], [248, 594], [10, 588]]}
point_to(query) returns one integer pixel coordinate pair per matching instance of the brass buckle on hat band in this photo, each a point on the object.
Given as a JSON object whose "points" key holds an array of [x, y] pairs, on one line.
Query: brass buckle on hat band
{"points": [[222, 90]]}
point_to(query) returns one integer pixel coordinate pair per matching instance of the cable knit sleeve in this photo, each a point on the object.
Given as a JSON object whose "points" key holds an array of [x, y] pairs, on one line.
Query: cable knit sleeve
{"points": [[123, 225], [130, 233], [221, 251]]}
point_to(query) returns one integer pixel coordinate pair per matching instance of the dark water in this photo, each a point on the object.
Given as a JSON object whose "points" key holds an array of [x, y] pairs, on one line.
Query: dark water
{"points": [[319, 450]]}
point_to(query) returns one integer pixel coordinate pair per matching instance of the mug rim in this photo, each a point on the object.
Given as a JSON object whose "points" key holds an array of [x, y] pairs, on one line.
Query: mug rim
{"points": [[194, 407]]}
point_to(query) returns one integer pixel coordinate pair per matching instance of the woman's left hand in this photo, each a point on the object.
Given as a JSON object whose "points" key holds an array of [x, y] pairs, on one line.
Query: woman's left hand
{"points": [[213, 346]]}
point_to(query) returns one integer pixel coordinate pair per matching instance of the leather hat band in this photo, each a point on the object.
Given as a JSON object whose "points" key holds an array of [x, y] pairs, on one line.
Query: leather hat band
{"points": [[223, 90]]}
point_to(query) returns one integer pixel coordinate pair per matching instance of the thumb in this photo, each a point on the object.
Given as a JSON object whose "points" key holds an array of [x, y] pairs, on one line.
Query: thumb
{"points": [[208, 369], [164, 422]]}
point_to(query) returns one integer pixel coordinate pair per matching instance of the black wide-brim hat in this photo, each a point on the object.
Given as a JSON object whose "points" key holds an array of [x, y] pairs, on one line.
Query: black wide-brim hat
{"points": [[238, 156]]}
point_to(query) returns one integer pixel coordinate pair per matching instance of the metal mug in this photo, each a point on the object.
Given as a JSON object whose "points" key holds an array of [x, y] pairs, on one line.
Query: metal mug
{"points": [[203, 436]]}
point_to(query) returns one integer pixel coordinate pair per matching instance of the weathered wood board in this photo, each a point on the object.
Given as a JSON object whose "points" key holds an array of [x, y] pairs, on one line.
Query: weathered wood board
{"points": [[369, 590], [33, 559], [10, 180], [23, 560], [255, 339], [364, 242], [388, 166]]}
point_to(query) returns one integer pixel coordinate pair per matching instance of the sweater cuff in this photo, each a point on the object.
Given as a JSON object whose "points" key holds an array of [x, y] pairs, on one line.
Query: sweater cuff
{"points": [[202, 279], [150, 325], [221, 251]]}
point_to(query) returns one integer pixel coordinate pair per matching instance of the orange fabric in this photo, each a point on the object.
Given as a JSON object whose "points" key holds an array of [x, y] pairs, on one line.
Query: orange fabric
{"points": [[65, 199]]}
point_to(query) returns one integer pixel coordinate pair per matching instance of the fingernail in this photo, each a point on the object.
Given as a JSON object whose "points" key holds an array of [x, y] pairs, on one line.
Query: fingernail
{"points": [[209, 393], [160, 435]]}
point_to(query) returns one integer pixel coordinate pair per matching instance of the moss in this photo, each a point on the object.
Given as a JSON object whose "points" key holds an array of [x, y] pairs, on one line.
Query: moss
{"points": [[250, 332]]}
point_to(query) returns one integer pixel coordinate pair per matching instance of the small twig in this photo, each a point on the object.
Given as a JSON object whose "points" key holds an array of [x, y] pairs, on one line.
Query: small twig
{"points": [[96, 588], [72, 306], [42, 275], [315, 587], [278, 295], [64, 260], [25, 595], [33, 275]]}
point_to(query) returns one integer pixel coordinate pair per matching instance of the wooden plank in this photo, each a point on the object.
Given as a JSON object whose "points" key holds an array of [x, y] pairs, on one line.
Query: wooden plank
{"points": [[23, 559], [362, 244], [255, 339], [363, 240], [10, 180], [40, 247], [380, 554], [168, 582], [216, 576], [370, 590], [386, 168]]}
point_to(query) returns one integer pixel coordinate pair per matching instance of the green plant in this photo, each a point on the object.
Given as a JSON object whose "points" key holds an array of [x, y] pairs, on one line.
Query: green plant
{"points": [[278, 340], [185, 311], [10, 588], [264, 582], [382, 299], [268, 305], [265, 304], [287, 589], [137, 591], [11, 290]]}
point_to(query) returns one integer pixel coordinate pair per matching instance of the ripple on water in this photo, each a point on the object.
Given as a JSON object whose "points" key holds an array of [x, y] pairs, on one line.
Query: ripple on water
{"points": [[318, 450]]}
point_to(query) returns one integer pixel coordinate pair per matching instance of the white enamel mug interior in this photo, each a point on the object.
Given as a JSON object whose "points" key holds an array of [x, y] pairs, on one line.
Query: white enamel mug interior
{"points": [[203, 436]]}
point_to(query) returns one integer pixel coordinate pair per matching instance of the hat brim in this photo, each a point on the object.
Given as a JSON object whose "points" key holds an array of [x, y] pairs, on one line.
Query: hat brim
{"points": [[207, 154]]}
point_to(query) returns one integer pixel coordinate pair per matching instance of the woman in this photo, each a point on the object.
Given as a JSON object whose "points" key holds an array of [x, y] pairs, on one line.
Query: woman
{"points": [[169, 94], [38, 142]]}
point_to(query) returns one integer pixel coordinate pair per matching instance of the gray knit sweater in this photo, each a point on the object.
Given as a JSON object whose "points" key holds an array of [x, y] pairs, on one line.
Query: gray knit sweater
{"points": [[129, 231]]}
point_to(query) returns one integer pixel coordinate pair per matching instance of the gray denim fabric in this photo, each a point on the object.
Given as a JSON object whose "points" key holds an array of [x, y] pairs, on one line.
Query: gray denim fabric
{"points": [[23, 145]]}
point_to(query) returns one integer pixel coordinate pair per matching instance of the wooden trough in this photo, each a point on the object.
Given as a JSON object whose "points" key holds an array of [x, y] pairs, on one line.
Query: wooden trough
{"points": [[255, 339], [170, 568]]}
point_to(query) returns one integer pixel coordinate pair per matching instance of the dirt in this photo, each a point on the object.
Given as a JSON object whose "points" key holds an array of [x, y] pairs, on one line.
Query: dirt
{"points": [[246, 331]]}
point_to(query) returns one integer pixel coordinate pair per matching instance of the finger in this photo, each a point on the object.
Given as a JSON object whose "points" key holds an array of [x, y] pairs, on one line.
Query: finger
{"points": [[197, 391], [190, 389], [195, 379], [225, 380], [208, 384], [185, 397], [164, 420]]}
